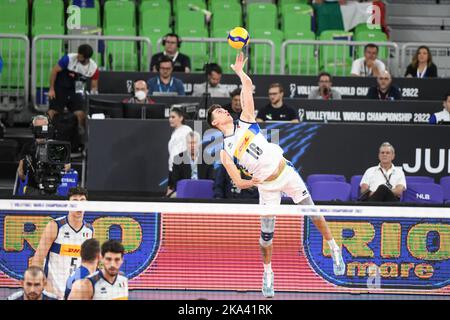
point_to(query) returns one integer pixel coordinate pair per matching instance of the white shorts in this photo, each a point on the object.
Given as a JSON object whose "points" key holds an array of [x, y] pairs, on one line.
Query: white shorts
{"points": [[288, 182]]}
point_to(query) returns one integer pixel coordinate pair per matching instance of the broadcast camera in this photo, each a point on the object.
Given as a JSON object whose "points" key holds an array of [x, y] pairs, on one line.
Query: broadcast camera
{"points": [[48, 163]]}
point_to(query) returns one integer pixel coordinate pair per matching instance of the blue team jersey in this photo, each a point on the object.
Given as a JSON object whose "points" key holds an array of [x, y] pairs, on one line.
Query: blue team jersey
{"points": [[77, 274]]}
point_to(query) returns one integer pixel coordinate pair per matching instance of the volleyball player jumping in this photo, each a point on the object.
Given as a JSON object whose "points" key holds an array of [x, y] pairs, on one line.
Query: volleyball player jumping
{"points": [[246, 148]]}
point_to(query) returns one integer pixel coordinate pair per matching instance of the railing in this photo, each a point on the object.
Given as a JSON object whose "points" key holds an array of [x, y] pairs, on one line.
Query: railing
{"points": [[439, 51], [336, 57], [15, 77], [220, 52], [112, 55]]}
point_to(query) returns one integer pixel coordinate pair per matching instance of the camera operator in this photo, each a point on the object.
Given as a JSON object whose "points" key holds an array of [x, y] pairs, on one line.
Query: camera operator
{"points": [[30, 163]]}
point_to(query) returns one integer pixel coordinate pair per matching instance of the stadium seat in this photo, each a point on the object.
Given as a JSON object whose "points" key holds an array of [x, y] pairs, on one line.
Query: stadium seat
{"points": [[154, 18], [14, 11], [13, 54], [283, 3], [198, 51], [330, 190], [418, 179], [48, 52], [261, 16], [335, 59], [296, 21], [184, 5], [119, 13], [121, 55], [260, 53], [154, 5], [301, 59], [226, 20], [372, 36], [189, 20], [154, 34], [297, 8], [445, 184], [90, 17], [423, 193], [355, 181], [312, 178], [195, 189], [40, 13], [225, 6], [362, 27]]}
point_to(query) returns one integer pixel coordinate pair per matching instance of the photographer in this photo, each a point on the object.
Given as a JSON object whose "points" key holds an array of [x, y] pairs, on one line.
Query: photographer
{"points": [[384, 182], [30, 163]]}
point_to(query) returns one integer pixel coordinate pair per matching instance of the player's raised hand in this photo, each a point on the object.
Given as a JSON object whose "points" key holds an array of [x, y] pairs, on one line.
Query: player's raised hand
{"points": [[239, 64]]}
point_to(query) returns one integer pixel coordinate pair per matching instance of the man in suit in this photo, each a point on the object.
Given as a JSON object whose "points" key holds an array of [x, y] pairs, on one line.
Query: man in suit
{"points": [[189, 164]]}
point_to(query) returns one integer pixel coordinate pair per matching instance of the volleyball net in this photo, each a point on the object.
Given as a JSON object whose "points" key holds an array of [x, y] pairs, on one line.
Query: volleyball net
{"points": [[215, 247]]}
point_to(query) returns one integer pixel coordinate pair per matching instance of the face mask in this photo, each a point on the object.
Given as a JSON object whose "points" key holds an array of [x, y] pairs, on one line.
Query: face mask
{"points": [[140, 95]]}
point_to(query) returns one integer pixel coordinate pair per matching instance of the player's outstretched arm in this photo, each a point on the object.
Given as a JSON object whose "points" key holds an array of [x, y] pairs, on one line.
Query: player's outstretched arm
{"points": [[81, 290], [47, 238], [235, 174], [247, 103]]}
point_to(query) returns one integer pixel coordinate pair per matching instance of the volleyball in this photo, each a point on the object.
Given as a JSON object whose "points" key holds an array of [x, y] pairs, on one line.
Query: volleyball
{"points": [[238, 38]]}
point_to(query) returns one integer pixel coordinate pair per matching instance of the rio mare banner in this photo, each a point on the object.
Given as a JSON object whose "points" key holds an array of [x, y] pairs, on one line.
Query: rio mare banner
{"points": [[381, 254]]}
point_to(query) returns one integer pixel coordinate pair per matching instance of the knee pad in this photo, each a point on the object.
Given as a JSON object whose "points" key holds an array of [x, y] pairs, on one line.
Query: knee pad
{"points": [[267, 230]]}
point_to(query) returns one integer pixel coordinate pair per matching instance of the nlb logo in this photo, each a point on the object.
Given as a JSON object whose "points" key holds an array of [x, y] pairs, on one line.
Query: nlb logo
{"points": [[138, 232], [423, 196], [407, 253]]}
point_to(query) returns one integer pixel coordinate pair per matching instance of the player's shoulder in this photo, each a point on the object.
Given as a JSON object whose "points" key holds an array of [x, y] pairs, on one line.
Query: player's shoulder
{"points": [[122, 276], [48, 296], [89, 226], [61, 221], [16, 296]]}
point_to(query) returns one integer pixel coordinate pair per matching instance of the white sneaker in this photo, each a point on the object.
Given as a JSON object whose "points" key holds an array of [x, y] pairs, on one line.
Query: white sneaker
{"points": [[267, 288], [338, 262]]}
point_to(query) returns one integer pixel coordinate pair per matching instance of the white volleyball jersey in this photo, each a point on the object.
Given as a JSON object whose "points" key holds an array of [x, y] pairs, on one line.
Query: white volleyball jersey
{"points": [[251, 151], [103, 290], [64, 254]]}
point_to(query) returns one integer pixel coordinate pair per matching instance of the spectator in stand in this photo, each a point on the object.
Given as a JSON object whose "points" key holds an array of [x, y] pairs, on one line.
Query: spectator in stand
{"points": [[383, 182], [140, 93], [369, 65], [384, 90], [325, 90], [172, 43], [444, 115], [234, 107], [165, 82], [189, 164], [177, 142], [215, 89], [422, 65], [276, 110]]}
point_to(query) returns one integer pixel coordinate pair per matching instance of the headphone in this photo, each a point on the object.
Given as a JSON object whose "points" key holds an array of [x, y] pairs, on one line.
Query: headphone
{"points": [[34, 130], [172, 35]]}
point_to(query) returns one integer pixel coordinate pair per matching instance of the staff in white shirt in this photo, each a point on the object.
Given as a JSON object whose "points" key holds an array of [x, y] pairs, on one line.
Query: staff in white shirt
{"points": [[369, 65], [383, 182], [177, 142]]}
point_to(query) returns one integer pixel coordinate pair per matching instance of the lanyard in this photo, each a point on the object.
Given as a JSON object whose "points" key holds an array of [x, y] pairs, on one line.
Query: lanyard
{"points": [[386, 97], [168, 89], [421, 75], [387, 179], [174, 57], [366, 70]]}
